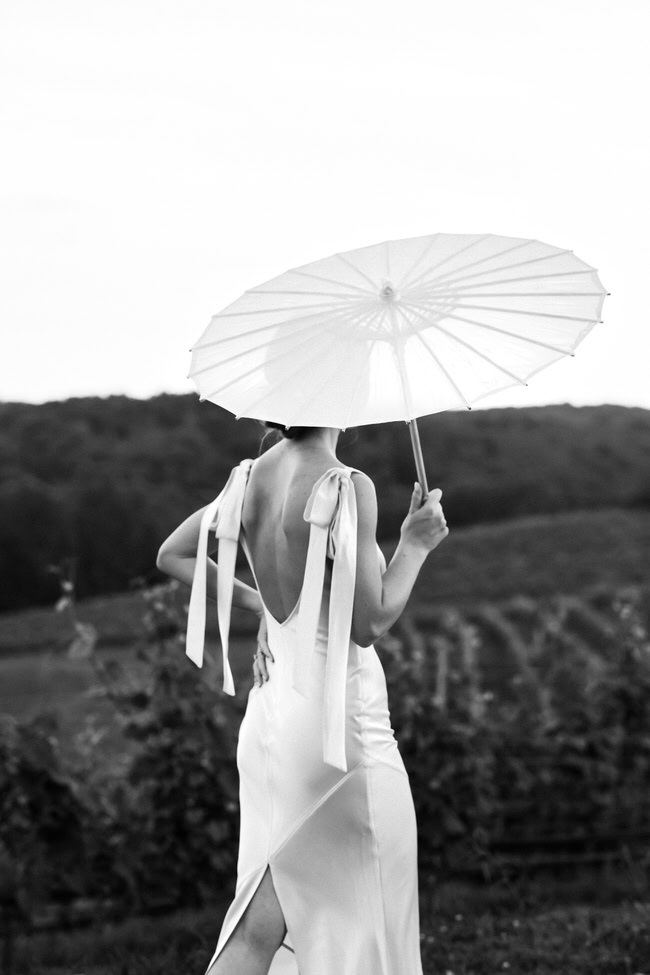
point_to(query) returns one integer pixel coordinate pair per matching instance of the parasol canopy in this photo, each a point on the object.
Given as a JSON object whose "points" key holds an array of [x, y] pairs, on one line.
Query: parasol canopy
{"points": [[397, 330]]}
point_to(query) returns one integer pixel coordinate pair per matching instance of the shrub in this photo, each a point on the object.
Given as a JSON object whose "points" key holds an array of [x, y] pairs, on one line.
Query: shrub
{"points": [[567, 757], [171, 812], [42, 814], [558, 747]]}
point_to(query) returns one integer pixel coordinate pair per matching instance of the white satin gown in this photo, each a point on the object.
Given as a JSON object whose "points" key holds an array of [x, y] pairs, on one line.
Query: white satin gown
{"points": [[325, 799]]}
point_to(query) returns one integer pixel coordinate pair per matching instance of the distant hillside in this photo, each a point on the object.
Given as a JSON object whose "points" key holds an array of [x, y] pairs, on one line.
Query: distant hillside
{"points": [[538, 556], [104, 480]]}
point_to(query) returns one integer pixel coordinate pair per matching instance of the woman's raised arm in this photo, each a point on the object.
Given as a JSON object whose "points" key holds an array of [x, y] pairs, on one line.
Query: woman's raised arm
{"points": [[177, 558], [379, 600]]}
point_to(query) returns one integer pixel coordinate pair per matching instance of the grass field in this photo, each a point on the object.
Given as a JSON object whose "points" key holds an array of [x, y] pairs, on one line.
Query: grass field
{"points": [[586, 928], [538, 556]]}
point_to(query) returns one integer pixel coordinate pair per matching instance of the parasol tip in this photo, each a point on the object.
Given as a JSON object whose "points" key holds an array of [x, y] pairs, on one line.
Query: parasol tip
{"points": [[388, 292]]}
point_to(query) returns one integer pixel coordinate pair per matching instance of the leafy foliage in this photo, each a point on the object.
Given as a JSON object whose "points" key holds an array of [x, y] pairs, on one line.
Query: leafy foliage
{"points": [[552, 745], [556, 748], [171, 813], [42, 848]]}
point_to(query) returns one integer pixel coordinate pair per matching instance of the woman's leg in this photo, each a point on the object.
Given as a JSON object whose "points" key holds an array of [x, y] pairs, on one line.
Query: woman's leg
{"points": [[257, 937]]}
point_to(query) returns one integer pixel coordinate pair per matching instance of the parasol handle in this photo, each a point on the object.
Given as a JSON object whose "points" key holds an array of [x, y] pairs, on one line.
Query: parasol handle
{"points": [[419, 459]]}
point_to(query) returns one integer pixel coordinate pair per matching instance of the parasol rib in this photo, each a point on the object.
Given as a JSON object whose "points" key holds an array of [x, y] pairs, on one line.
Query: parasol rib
{"points": [[281, 355], [302, 320], [358, 386], [535, 314], [348, 284], [373, 284], [256, 368], [503, 331], [296, 344], [399, 355], [504, 267], [529, 277], [269, 311], [440, 365], [296, 372], [472, 348], [326, 294], [518, 294], [427, 248], [436, 360], [314, 391], [445, 260], [482, 260]]}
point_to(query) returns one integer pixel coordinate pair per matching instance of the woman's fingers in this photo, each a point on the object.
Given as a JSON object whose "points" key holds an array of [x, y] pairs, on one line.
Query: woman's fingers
{"points": [[416, 498], [263, 639], [261, 666], [257, 677], [417, 502], [260, 669]]}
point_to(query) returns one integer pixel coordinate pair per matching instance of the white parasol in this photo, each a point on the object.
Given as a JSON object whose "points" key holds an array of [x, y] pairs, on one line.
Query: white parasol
{"points": [[397, 330]]}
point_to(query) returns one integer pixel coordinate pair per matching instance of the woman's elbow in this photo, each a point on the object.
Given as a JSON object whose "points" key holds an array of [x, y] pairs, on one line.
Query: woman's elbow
{"points": [[162, 560], [365, 634]]}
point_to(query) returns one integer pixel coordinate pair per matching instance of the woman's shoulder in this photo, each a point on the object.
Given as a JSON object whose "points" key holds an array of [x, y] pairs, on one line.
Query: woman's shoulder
{"points": [[366, 497], [360, 477], [363, 484]]}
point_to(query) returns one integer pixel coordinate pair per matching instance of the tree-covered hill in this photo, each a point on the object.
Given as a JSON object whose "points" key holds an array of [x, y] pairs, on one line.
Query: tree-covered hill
{"points": [[104, 480]]}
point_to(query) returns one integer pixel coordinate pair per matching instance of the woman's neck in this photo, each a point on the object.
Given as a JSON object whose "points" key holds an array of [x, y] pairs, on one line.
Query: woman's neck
{"points": [[322, 439]]}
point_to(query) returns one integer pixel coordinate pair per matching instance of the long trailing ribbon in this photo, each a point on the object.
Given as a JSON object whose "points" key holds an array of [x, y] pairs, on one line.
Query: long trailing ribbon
{"points": [[224, 514], [332, 514]]}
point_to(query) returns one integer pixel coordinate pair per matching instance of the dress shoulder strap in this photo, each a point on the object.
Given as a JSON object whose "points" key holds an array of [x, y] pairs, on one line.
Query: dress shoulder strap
{"points": [[332, 515], [223, 516]]}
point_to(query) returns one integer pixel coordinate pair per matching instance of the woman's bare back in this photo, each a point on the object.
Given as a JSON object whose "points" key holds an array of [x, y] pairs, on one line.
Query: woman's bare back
{"points": [[276, 533]]}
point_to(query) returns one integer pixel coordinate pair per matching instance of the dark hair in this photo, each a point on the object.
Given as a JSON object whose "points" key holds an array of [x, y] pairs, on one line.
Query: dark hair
{"points": [[277, 429], [289, 433], [292, 433]]}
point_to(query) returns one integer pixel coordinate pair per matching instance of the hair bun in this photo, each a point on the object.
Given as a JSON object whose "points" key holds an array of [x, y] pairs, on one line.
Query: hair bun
{"points": [[290, 433]]}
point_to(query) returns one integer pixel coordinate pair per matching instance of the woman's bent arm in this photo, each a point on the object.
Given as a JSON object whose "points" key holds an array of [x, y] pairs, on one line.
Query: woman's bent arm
{"points": [[379, 600], [177, 558]]}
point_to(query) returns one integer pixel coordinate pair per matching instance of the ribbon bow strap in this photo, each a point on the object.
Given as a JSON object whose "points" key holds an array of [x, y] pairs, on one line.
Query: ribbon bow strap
{"points": [[332, 514], [224, 515]]}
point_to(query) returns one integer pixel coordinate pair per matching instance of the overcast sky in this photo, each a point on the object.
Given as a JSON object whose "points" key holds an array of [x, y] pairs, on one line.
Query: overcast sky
{"points": [[161, 156]]}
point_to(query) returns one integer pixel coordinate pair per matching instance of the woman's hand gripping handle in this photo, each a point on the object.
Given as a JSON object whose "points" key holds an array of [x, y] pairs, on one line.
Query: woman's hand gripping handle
{"points": [[424, 526]]}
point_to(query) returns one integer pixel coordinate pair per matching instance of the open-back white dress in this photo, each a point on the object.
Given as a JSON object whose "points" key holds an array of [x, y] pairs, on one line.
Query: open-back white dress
{"points": [[325, 799]]}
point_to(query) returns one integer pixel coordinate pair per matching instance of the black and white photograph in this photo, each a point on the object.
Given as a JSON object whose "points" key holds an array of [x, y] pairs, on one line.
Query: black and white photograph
{"points": [[324, 487]]}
